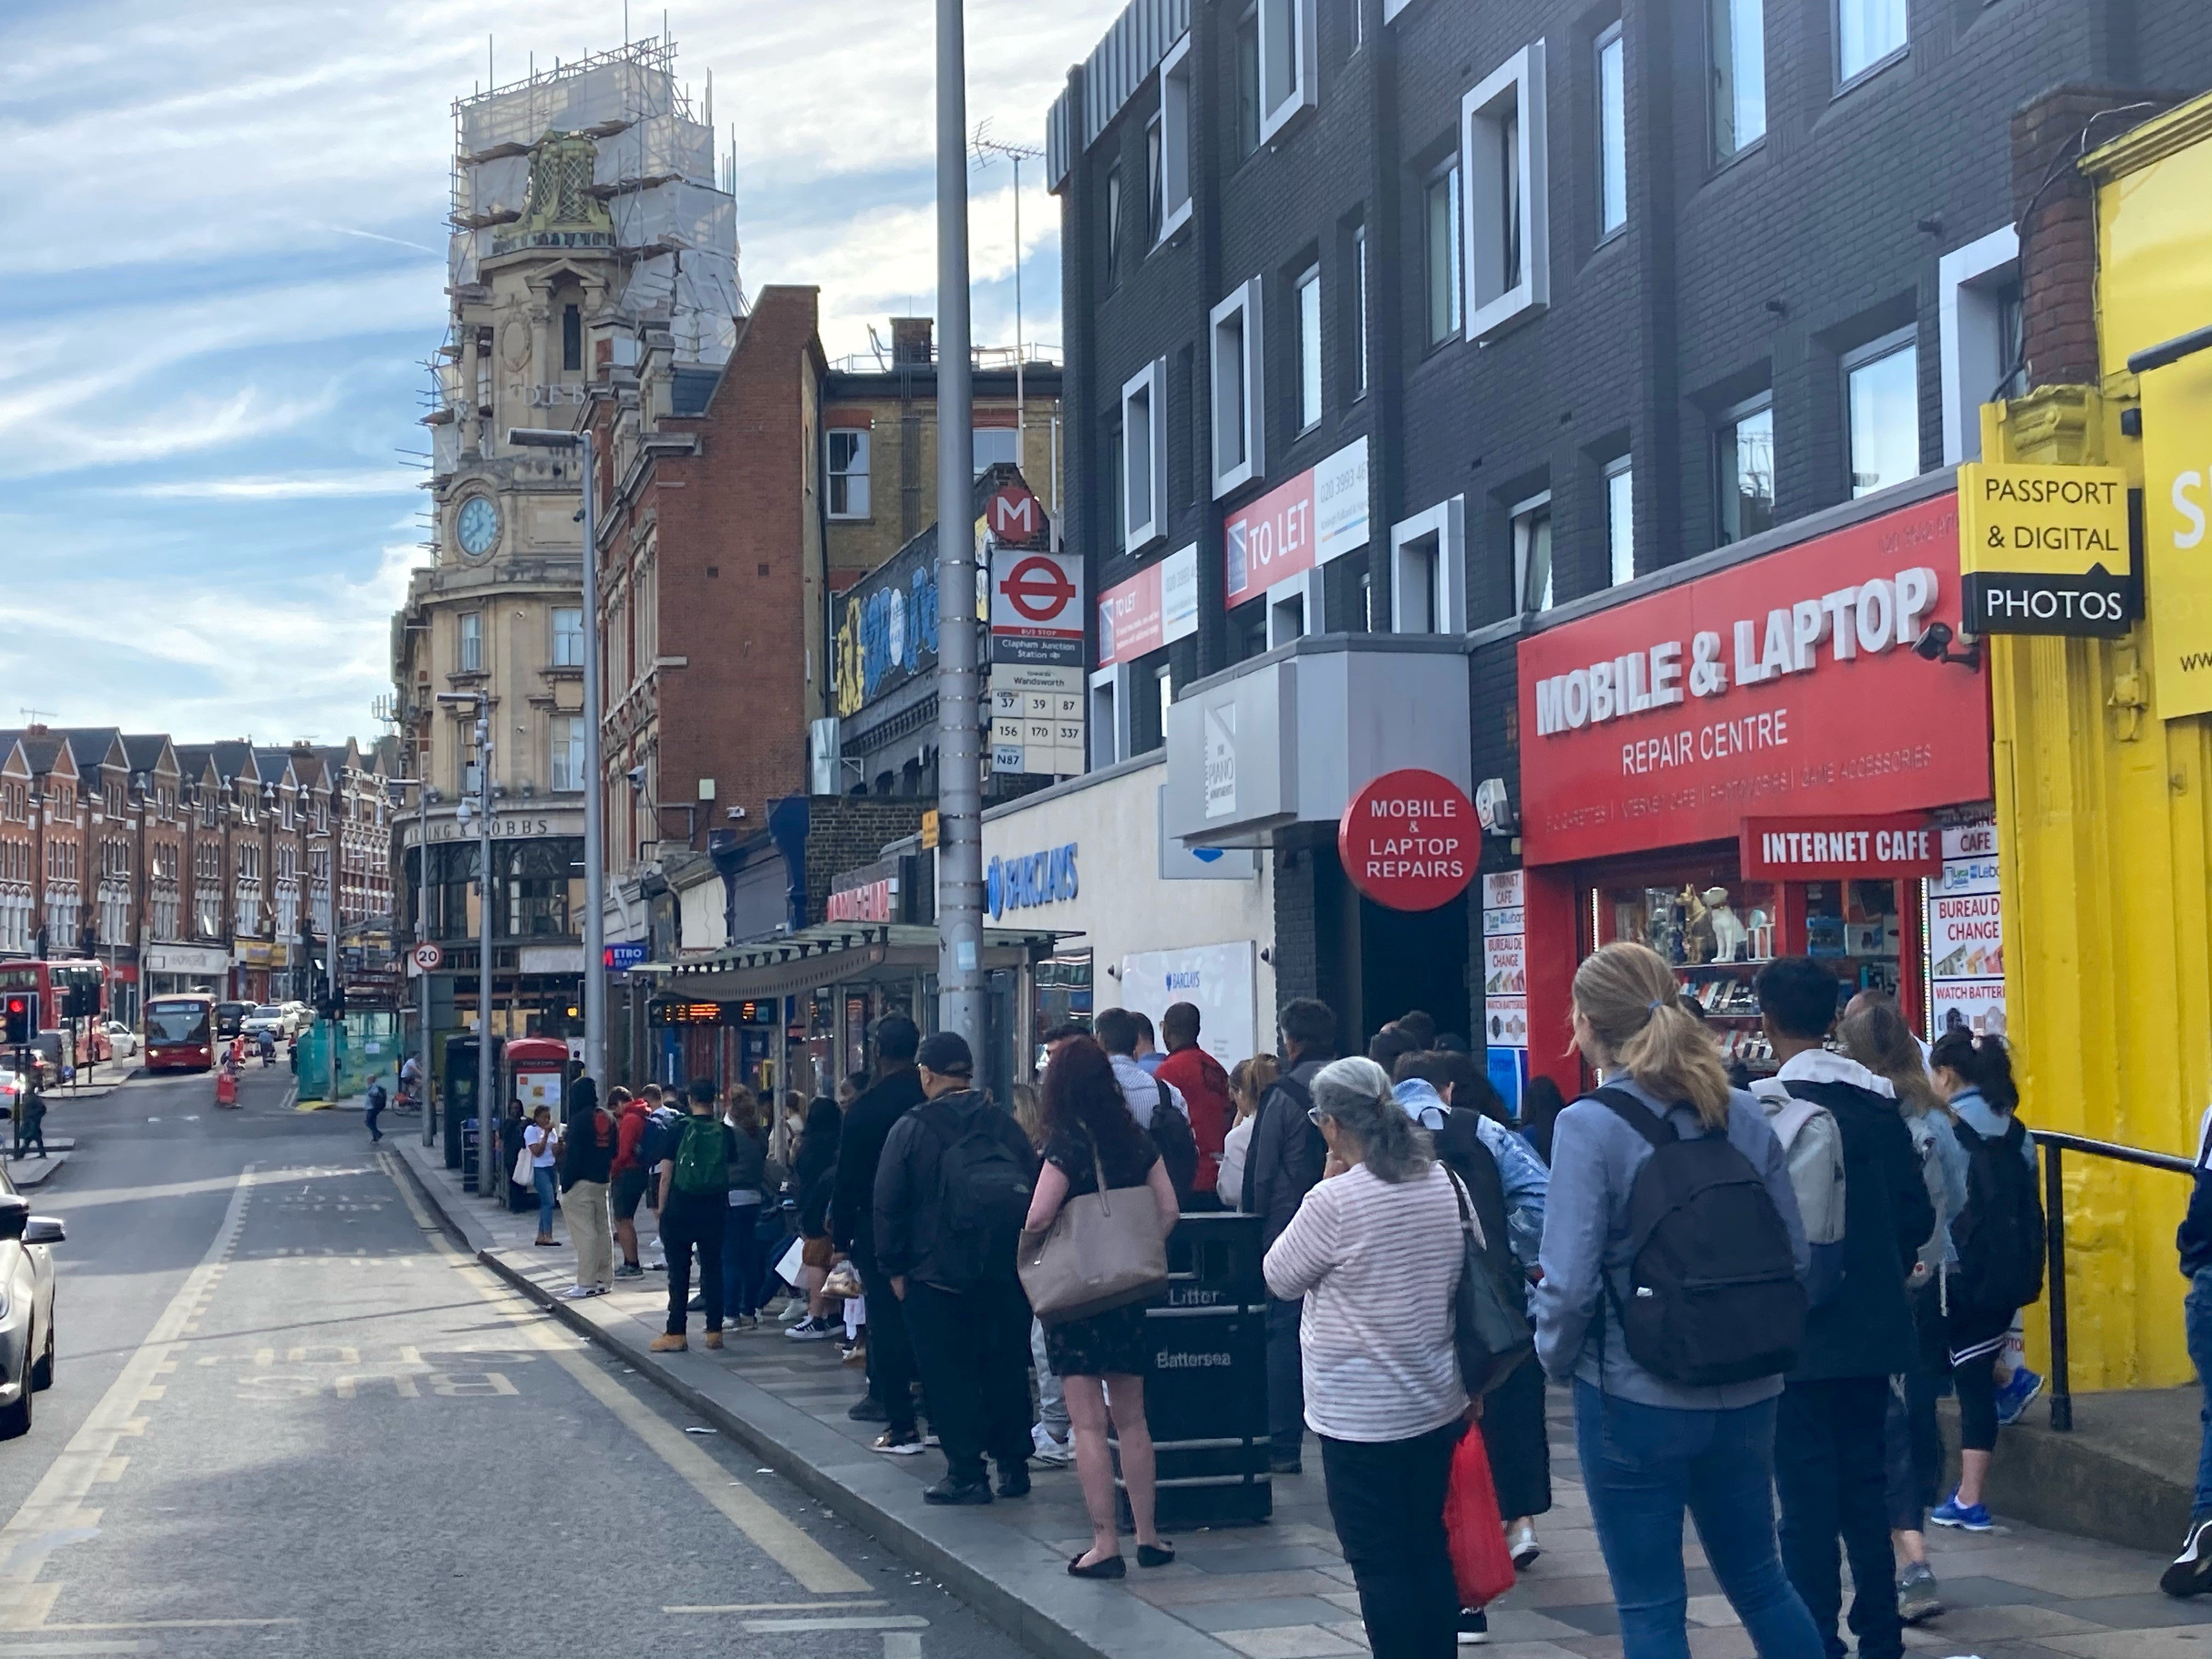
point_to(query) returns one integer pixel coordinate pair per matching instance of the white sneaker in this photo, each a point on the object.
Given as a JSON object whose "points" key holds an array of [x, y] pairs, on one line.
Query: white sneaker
{"points": [[577, 1292], [1048, 1449], [794, 1311], [811, 1330], [1521, 1539]]}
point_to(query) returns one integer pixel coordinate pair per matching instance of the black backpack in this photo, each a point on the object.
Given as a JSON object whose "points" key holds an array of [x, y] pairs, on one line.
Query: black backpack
{"points": [[1178, 1148], [1714, 1295], [985, 1188], [1301, 1100], [1459, 1144], [664, 1133], [2000, 1232]]}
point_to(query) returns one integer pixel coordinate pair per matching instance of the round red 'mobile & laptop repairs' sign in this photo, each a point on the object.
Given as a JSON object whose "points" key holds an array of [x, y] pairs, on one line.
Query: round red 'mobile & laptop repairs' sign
{"points": [[1409, 841]]}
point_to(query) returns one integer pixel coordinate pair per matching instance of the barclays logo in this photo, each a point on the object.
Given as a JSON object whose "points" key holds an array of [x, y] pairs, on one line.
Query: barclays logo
{"points": [[1021, 883]]}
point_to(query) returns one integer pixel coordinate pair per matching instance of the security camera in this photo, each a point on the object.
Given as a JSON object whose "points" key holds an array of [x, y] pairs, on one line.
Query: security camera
{"points": [[1933, 645], [637, 776], [737, 814]]}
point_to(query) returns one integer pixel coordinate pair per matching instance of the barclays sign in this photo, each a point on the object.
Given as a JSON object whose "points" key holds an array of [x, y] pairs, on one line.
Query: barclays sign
{"points": [[1021, 883]]}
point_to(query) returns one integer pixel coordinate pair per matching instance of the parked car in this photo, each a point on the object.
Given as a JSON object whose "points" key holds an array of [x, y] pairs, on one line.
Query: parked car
{"points": [[226, 1018], [122, 1041], [26, 1327]]}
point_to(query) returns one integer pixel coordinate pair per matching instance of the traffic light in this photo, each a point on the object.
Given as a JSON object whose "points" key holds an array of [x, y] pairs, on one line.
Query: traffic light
{"points": [[21, 1017]]}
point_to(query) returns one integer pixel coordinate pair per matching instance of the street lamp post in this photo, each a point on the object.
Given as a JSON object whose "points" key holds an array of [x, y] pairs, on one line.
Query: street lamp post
{"points": [[489, 1181], [595, 880]]}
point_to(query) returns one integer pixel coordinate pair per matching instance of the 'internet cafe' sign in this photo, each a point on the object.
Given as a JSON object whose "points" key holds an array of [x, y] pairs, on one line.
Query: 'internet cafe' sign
{"points": [[2044, 549]]}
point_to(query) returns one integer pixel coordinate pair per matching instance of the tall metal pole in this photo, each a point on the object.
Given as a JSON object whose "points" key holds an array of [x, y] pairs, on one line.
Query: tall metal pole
{"points": [[422, 936], [960, 1005], [490, 1181], [595, 875]]}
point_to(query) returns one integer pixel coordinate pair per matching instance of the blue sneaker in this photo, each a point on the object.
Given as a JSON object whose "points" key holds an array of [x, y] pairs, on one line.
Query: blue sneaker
{"points": [[1967, 1518], [2016, 1395]]}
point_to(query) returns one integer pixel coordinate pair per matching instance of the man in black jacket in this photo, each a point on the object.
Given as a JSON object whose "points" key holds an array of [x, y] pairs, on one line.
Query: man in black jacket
{"points": [[952, 1271], [868, 1121], [1828, 1444], [1283, 1164]]}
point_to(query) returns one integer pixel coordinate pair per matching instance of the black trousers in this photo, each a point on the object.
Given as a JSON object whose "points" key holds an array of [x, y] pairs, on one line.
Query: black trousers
{"points": [[973, 1348], [1829, 1467], [694, 1220], [890, 1347], [1387, 1500], [1520, 1447]]}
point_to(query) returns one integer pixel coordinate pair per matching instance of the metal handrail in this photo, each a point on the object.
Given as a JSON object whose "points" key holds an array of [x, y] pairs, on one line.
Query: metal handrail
{"points": [[2056, 1145]]}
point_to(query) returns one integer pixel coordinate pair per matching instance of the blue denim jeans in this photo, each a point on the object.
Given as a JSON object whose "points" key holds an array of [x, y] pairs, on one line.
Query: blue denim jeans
{"points": [[2197, 1322], [741, 1253], [1642, 1466], [541, 1181]]}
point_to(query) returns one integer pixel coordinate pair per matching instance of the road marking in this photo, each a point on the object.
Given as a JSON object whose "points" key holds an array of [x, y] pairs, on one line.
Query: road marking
{"points": [[173, 1624], [776, 1607], [901, 1645], [814, 1567], [55, 1513], [885, 1621], [60, 1648]]}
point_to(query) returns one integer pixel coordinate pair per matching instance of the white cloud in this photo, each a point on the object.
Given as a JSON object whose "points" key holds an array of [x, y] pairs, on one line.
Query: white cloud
{"points": [[296, 487]]}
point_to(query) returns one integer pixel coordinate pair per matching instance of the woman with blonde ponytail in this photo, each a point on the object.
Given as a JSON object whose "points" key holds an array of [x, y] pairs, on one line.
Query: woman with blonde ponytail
{"points": [[1651, 1447]]}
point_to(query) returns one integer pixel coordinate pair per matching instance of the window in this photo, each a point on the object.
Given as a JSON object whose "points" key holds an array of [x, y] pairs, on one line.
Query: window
{"points": [[1357, 20], [1286, 63], [1307, 293], [1882, 389], [1142, 475], [1359, 313], [1745, 466], [568, 637], [1620, 522], [1445, 245], [1113, 226], [572, 336], [1248, 84], [1175, 130], [1239, 431], [1738, 75], [1428, 593], [1117, 467], [995, 444], [1532, 553], [567, 772], [1869, 34], [1155, 183], [472, 642], [848, 474], [1503, 147], [1611, 132], [1978, 320]]}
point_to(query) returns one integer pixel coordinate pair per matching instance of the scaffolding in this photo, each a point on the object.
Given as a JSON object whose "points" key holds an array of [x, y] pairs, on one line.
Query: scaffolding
{"points": [[654, 169]]}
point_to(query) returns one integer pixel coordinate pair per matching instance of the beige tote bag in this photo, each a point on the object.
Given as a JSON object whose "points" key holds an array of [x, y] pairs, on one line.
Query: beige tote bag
{"points": [[1103, 1250]]}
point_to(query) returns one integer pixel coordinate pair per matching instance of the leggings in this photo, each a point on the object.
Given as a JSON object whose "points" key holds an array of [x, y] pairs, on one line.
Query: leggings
{"points": [[1976, 1382]]}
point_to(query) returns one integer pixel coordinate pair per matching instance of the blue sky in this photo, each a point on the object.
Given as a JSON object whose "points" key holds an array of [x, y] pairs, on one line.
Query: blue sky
{"points": [[223, 266]]}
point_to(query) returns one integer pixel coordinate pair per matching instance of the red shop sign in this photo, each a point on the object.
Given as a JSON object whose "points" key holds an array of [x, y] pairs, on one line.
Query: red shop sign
{"points": [[1409, 841], [1783, 687], [1889, 847]]}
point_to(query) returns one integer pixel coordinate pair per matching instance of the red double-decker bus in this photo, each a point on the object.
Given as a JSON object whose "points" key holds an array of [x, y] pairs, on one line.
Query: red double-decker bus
{"points": [[179, 1034], [72, 998]]}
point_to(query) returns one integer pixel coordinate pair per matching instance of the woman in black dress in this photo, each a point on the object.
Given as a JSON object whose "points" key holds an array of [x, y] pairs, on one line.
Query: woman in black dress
{"points": [[1102, 1360]]}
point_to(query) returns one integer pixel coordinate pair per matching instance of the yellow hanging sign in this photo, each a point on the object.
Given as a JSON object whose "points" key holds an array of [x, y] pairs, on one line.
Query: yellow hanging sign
{"points": [[2044, 549], [2177, 428]]}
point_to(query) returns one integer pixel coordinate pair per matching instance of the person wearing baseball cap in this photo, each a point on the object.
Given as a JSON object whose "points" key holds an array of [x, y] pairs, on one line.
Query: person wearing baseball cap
{"points": [[952, 1193]]}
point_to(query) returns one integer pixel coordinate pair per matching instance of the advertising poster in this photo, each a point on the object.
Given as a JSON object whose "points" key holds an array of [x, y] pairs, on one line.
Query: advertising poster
{"points": [[1505, 985], [1965, 935], [1216, 979]]}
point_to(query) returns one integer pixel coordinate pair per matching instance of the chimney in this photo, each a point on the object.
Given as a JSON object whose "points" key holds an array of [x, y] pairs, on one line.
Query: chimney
{"points": [[910, 340]]}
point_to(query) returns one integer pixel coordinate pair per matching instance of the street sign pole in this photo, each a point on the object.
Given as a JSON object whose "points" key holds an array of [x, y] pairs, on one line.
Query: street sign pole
{"points": [[489, 1180], [422, 934], [961, 1004]]}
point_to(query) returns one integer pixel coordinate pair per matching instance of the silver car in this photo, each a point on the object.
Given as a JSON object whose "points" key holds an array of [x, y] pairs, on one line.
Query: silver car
{"points": [[27, 1307]]}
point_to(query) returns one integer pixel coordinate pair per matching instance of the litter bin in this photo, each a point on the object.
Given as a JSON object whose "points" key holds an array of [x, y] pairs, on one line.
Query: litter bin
{"points": [[1206, 1398]]}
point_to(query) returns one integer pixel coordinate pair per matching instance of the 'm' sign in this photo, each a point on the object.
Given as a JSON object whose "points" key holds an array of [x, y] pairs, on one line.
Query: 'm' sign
{"points": [[1409, 841]]}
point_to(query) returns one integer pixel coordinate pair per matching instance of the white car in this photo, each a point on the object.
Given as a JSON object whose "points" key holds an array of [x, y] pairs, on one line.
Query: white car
{"points": [[27, 1307], [122, 1041], [267, 1018]]}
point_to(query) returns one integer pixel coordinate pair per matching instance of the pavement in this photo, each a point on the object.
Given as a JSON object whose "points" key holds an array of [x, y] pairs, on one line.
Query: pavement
{"points": [[1279, 1590]]}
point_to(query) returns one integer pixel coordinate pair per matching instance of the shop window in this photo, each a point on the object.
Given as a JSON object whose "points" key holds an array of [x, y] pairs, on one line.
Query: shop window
{"points": [[1532, 553], [1502, 152], [848, 474], [1978, 308], [1869, 34], [1143, 474], [1882, 393], [1286, 63], [1620, 522], [1737, 43], [1611, 132], [1743, 448], [1307, 294], [1174, 130], [1445, 245], [1239, 427]]}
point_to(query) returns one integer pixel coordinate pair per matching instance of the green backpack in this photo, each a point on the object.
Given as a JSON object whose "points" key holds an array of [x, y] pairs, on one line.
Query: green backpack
{"points": [[701, 1158]]}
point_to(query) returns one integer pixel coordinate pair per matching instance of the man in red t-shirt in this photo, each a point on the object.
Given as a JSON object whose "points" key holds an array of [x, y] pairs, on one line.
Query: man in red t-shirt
{"points": [[1204, 1086], [628, 1174]]}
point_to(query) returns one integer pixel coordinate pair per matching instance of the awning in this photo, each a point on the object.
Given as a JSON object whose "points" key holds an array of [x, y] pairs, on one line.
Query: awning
{"points": [[837, 953]]}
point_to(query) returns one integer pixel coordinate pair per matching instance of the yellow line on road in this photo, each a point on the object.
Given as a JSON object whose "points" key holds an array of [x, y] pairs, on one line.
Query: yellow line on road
{"points": [[814, 1567]]}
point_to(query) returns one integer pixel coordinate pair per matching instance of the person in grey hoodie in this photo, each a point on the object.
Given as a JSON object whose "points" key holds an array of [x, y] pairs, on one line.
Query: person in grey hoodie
{"points": [[1650, 1448]]}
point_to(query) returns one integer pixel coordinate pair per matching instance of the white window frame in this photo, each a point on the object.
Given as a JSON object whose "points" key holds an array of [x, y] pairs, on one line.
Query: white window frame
{"points": [[1280, 105], [1845, 80], [565, 755], [1888, 345], [1620, 527], [470, 636], [976, 450], [1522, 515], [856, 474], [1112, 702], [1428, 563], [573, 658], [1451, 176], [1144, 445], [1305, 304], [1970, 334], [1362, 297], [1392, 8], [1176, 115], [1296, 606], [1245, 359], [1609, 38], [1517, 82], [1749, 50], [1725, 427]]}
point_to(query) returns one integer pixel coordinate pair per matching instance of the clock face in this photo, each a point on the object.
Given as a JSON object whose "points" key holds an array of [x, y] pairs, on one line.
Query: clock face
{"points": [[478, 526]]}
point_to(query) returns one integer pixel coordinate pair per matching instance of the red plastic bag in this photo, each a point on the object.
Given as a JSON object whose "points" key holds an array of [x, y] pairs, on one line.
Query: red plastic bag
{"points": [[1474, 1531]]}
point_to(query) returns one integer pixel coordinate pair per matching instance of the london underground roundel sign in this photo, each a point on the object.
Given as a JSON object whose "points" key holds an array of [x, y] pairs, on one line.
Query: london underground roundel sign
{"points": [[1409, 841]]}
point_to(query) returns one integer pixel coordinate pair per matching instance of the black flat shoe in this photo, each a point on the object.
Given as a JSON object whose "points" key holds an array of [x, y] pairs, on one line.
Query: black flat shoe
{"points": [[1112, 1567], [1161, 1556], [1014, 1483], [949, 1491]]}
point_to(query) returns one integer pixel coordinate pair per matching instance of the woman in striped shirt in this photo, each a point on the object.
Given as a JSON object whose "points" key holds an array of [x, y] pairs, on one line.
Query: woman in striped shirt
{"points": [[1375, 1250]]}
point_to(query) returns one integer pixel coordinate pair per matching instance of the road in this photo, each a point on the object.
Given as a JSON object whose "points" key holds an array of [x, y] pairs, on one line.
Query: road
{"points": [[291, 1418]]}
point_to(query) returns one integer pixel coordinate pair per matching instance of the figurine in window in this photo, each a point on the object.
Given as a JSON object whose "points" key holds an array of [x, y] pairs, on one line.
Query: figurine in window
{"points": [[1731, 940], [1697, 942]]}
